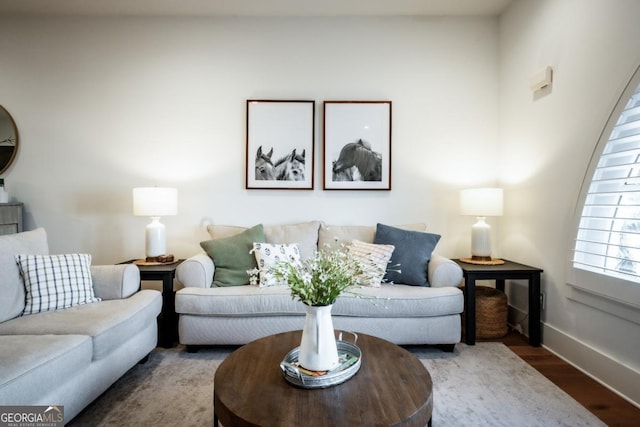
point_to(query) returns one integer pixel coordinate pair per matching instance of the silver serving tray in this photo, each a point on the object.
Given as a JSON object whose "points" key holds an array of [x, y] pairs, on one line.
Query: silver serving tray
{"points": [[350, 360]]}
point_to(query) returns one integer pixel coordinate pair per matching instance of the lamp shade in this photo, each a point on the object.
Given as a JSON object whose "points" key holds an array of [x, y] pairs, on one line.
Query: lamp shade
{"points": [[155, 201], [481, 202]]}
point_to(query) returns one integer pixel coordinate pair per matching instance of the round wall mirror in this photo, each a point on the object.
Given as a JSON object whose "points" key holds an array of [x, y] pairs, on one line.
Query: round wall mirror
{"points": [[8, 139]]}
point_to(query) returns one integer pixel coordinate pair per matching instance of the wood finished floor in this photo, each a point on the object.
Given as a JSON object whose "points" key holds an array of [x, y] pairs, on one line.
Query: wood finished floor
{"points": [[603, 403]]}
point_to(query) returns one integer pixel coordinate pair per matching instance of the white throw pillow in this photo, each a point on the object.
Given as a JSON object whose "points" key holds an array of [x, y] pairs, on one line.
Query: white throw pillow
{"points": [[374, 260], [54, 282], [268, 254]]}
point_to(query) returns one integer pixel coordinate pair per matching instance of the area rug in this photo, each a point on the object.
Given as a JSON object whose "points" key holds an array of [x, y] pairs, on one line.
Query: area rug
{"points": [[481, 385]]}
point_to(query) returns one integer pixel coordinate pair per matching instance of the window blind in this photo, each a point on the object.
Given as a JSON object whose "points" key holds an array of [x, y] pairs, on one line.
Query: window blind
{"points": [[608, 237]]}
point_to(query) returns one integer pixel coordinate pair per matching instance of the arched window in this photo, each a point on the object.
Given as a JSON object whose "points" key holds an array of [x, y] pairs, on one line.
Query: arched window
{"points": [[606, 252], [608, 238]]}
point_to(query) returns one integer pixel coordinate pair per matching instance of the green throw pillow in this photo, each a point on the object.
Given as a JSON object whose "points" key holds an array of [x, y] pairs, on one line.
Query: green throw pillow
{"points": [[231, 256]]}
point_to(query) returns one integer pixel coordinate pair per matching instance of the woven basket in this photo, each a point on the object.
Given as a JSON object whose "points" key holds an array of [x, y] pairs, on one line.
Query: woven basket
{"points": [[491, 313]]}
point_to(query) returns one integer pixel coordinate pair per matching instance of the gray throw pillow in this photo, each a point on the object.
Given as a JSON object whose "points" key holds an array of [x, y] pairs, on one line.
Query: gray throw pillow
{"points": [[411, 255], [231, 256]]}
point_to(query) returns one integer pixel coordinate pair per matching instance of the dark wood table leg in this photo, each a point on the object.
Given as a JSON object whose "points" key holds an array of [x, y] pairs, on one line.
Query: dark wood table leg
{"points": [[500, 284], [470, 310], [167, 320], [534, 310], [169, 330]]}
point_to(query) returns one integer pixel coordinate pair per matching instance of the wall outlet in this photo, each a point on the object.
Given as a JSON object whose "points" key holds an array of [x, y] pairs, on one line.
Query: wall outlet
{"points": [[543, 301]]}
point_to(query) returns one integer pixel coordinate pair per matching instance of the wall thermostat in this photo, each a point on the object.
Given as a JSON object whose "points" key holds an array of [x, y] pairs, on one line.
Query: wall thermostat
{"points": [[541, 79]]}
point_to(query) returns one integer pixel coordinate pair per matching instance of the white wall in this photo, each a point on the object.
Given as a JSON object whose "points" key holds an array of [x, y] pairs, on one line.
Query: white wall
{"points": [[547, 141], [105, 104]]}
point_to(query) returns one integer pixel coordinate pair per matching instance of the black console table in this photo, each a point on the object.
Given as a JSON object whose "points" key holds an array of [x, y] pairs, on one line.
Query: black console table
{"points": [[500, 273]]}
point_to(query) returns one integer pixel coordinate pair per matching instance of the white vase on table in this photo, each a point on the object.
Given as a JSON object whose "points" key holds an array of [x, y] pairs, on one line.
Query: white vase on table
{"points": [[318, 349]]}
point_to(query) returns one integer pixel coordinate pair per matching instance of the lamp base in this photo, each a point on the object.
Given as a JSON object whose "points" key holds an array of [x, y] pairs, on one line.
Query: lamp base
{"points": [[155, 238], [165, 259], [490, 261], [480, 258]]}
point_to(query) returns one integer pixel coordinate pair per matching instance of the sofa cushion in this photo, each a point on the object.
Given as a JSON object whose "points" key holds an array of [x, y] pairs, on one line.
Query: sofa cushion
{"points": [[237, 301], [332, 236], [374, 260], [391, 301], [224, 231], [31, 362], [268, 255], [400, 301], [12, 295], [304, 234], [53, 282], [411, 256], [108, 323], [232, 257]]}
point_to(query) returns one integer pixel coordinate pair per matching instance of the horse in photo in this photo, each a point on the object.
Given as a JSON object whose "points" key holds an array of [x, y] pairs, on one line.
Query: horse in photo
{"points": [[348, 174], [291, 167], [265, 170], [359, 154]]}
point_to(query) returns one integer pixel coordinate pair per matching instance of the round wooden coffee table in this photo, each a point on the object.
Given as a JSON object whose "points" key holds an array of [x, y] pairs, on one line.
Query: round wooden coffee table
{"points": [[392, 387]]}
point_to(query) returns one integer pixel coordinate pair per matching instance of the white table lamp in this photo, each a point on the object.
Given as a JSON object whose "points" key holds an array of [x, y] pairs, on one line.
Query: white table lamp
{"points": [[155, 202], [481, 203]]}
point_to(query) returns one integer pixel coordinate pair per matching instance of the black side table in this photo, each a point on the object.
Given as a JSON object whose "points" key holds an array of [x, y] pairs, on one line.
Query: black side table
{"points": [[499, 273], [167, 321]]}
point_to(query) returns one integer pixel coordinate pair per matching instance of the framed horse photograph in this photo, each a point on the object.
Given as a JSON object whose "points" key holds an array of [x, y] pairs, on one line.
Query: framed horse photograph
{"points": [[357, 145], [280, 144]]}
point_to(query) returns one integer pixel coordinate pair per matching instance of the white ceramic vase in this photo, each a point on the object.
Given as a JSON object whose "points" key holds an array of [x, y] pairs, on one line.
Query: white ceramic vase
{"points": [[318, 350]]}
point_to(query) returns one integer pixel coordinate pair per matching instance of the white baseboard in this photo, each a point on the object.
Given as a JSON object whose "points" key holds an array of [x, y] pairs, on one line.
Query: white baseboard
{"points": [[518, 319], [612, 374]]}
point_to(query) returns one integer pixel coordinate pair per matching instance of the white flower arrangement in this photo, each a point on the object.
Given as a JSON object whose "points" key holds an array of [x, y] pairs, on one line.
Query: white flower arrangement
{"points": [[322, 278]]}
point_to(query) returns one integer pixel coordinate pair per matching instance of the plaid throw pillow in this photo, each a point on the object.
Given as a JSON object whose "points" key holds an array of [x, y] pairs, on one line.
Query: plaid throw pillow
{"points": [[55, 282]]}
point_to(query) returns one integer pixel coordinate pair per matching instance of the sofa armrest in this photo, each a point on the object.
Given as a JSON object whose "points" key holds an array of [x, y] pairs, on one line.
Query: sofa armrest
{"points": [[443, 272], [115, 281], [196, 272]]}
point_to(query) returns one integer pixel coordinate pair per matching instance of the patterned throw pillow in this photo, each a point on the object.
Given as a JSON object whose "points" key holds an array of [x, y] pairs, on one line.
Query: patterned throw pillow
{"points": [[267, 255], [374, 260], [54, 282]]}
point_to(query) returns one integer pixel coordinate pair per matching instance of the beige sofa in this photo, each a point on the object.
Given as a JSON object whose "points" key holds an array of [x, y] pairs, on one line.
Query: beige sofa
{"points": [[396, 312], [70, 356]]}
